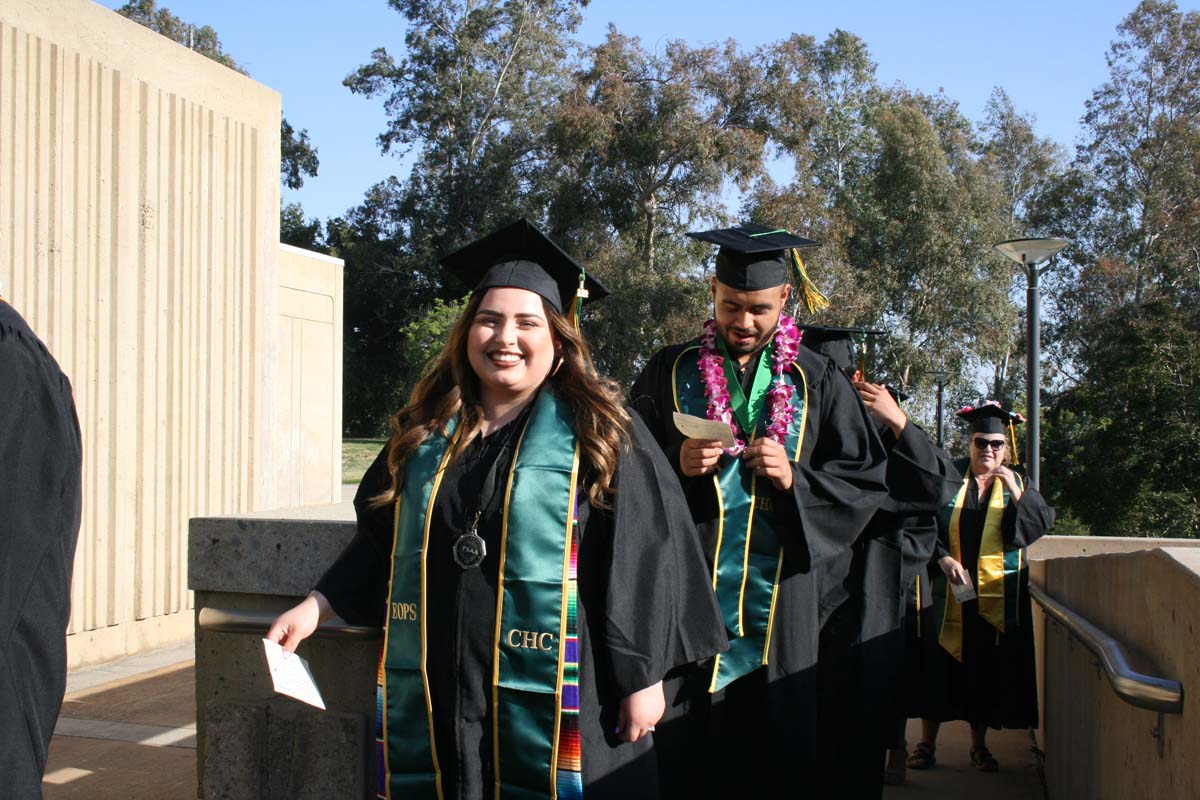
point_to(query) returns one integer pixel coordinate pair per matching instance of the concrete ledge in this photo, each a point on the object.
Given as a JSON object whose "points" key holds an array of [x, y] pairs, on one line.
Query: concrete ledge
{"points": [[263, 555], [1049, 547], [283, 748]]}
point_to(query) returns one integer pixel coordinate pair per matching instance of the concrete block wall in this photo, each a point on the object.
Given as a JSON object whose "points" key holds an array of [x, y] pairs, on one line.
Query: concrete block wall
{"points": [[251, 742], [1096, 745]]}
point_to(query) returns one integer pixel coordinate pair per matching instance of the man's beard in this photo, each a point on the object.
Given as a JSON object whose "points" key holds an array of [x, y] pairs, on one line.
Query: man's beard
{"points": [[738, 350]]}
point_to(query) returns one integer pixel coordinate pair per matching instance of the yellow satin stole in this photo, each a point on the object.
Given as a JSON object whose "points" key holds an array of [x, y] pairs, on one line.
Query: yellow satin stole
{"points": [[990, 569]]}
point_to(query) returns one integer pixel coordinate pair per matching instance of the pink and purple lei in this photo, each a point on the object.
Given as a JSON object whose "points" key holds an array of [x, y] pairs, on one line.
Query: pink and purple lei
{"points": [[779, 396]]}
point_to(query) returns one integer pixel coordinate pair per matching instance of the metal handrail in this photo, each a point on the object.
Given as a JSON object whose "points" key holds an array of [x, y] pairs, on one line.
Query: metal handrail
{"points": [[226, 620], [1123, 667]]}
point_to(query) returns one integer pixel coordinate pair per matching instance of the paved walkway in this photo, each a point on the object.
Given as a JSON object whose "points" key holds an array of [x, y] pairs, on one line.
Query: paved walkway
{"points": [[953, 777], [128, 732]]}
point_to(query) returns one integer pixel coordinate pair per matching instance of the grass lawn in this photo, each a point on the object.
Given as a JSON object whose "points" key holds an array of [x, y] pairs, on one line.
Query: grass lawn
{"points": [[357, 455]]}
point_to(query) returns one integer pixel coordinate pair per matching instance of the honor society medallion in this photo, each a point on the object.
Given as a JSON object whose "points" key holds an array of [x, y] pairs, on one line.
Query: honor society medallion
{"points": [[469, 550]]}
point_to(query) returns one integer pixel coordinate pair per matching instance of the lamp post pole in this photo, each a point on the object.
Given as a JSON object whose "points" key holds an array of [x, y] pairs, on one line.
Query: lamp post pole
{"points": [[1034, 373], [940, 376], [1029, 253], [939, 413]]}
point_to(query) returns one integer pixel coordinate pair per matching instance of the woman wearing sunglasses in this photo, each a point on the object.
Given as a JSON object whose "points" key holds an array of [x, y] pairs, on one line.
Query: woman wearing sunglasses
{"points": [[977, 635]]}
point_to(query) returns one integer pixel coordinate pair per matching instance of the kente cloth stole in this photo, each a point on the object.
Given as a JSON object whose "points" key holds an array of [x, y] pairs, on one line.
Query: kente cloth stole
{"points": [[996, 569], [535, 686], [749, 557]]}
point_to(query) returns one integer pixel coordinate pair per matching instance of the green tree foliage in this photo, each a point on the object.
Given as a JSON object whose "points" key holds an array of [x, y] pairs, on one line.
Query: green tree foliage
{"points": [[471, 98], [1122, 449], [298, 158], [897, 187], [297, 231], [920, 238], [1127, 409], [643, 144], [1018, 159]]}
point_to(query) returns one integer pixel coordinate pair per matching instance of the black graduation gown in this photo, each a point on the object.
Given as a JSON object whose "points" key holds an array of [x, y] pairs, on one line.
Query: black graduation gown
{"points": [[757, 734], [39, 526], [996, 683], [645, 606], [862, 644]]}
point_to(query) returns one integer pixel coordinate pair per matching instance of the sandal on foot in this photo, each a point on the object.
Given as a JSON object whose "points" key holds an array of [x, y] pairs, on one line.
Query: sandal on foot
{"points": [[983, 760], [922, 757]]}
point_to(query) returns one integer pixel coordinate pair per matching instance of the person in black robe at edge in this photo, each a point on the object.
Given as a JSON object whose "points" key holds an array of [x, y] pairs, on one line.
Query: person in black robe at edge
{"points": [[862, 590], [810, 477], [977, 656], [40, 502], [481, 592]]}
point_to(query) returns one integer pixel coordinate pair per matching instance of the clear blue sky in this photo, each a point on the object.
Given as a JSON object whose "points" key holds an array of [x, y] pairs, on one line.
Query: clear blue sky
{"points": [[304, 49]]}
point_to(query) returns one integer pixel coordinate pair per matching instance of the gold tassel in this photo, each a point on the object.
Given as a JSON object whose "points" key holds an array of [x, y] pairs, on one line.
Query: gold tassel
{"points": [[810, 295], [1012, 434], [576, 310]]}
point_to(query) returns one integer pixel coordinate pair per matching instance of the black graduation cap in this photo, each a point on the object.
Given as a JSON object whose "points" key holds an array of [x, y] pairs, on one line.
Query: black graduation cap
{"points": [[754, 257], [520, 255], [989, 418], [836, 342], [896, 394]]}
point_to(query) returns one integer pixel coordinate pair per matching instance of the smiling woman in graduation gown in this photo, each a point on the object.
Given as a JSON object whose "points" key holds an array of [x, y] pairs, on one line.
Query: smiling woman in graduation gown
{"points": [[981, 669], [530, 618]]}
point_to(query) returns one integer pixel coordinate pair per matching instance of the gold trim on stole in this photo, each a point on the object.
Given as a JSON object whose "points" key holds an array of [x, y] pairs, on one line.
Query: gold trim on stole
{"points": [[437, 482], [779, 567], [499, 604]]}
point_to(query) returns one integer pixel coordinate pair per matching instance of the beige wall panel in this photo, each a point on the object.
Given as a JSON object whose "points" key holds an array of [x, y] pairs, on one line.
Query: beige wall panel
{"points": [[139, 201], [317, 473], [310, 309]]}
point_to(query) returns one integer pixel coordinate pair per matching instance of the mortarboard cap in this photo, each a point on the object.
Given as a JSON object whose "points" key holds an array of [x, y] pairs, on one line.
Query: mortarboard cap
{"points": [[837, 343], [753, 257], [989, 418], [522, 256]]}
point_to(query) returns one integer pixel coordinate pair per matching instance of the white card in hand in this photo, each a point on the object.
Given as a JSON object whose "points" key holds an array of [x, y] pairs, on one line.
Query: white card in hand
{"points": [[963, 591], [700, 428], [290, 675]]}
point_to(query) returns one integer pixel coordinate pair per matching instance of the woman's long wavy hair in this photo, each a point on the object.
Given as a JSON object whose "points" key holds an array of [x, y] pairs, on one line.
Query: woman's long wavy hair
{"points": [[450, 387]]}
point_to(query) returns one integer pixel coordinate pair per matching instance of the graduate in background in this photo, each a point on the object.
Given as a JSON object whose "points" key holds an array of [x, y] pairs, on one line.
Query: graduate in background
{"points": [[982, 669], [802, 479], [527, 548], [863, 591], [40, 502]]}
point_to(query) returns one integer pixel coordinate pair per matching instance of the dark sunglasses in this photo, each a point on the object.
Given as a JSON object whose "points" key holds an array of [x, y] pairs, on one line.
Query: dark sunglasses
{"points": [[983, 444]]}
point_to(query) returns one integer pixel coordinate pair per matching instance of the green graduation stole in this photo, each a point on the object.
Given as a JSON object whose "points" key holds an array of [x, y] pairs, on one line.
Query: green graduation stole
{"points": [[998, 570], [535, 642], [748, 409], [749, 557]]}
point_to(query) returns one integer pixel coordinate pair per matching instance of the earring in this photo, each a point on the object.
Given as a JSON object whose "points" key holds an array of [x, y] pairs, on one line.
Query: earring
{"points": [[557, 367]]}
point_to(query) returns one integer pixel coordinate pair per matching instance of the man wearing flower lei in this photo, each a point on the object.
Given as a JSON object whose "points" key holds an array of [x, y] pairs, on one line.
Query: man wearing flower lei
{"points": [[862, 596], [804, 475]]}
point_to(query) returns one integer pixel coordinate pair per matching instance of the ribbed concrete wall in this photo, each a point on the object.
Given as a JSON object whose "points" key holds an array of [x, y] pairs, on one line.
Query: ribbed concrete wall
{"points": [[1097, 746], [139, 196]]}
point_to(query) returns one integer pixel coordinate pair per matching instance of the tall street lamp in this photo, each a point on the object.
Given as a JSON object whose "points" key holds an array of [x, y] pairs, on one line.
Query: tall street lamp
{"points": [[1029, 253], [940, 376]]}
